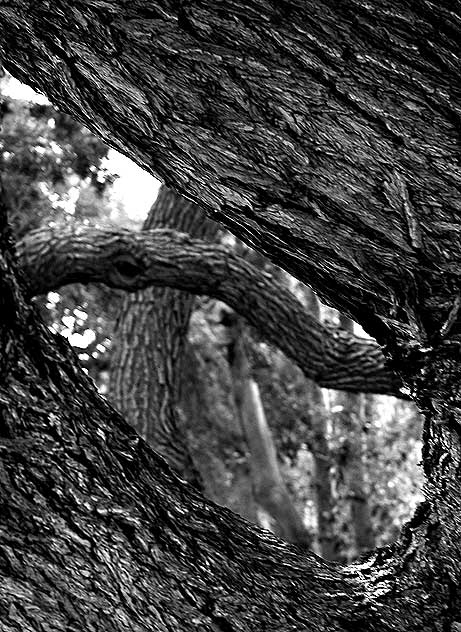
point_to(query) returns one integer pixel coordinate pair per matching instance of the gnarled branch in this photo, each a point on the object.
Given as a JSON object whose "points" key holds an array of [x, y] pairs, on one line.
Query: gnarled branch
{"points": [[52, 257]]}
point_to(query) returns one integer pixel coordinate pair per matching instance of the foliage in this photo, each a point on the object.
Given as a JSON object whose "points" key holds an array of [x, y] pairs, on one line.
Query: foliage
{"points": [[52, 171], [47, 160]]}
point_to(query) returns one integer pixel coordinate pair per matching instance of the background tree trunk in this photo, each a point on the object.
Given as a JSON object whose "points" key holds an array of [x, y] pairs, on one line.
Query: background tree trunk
{"points": [[351, 475], [149, 345], [217, 441], [321, 454]]}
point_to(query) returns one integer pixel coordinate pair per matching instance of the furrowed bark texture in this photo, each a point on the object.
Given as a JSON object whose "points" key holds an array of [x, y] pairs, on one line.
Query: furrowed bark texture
{"points": [[149, 345], [128, 565], [328, 136], [270, 490], [52, 257]]}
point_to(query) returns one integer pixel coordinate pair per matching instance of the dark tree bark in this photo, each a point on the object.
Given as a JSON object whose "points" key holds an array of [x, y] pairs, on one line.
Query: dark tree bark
{"points": [[97, 532], [52, 257], [149, 345], [326, 135]]}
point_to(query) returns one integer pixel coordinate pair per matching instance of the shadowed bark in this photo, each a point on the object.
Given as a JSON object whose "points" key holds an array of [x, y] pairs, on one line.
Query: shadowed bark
{"points": [[114, 540], [52, 257], [149, 345], [95, 530], [328, 136]]}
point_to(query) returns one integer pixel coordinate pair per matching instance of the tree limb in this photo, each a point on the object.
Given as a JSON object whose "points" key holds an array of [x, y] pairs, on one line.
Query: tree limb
{"points": [[129, 260]]}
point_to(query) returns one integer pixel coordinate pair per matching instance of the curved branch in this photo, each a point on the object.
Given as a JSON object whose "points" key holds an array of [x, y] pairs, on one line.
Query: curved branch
{"points": [[52, 257]]}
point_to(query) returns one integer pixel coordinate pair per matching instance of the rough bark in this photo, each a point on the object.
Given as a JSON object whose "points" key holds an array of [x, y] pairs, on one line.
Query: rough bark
{"points": [[349, 422], [96, 532], [270, 490], [52, 257], [149, 345], [327, 135]]}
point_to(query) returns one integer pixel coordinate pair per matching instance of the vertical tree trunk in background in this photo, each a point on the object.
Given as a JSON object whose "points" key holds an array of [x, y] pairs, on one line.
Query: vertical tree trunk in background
{"points": [[321, 455], [351, 462], [269, 487], [310, 394], [149, 341], [215, 436]]}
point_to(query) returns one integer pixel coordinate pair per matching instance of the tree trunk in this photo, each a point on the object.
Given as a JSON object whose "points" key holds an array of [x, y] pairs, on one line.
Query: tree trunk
{"points": [[310, 400], [97, 533], [149, 345], [349, 422], [327, 135], [216, 438], [321, 454], [320, 133], [269, 487]]}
